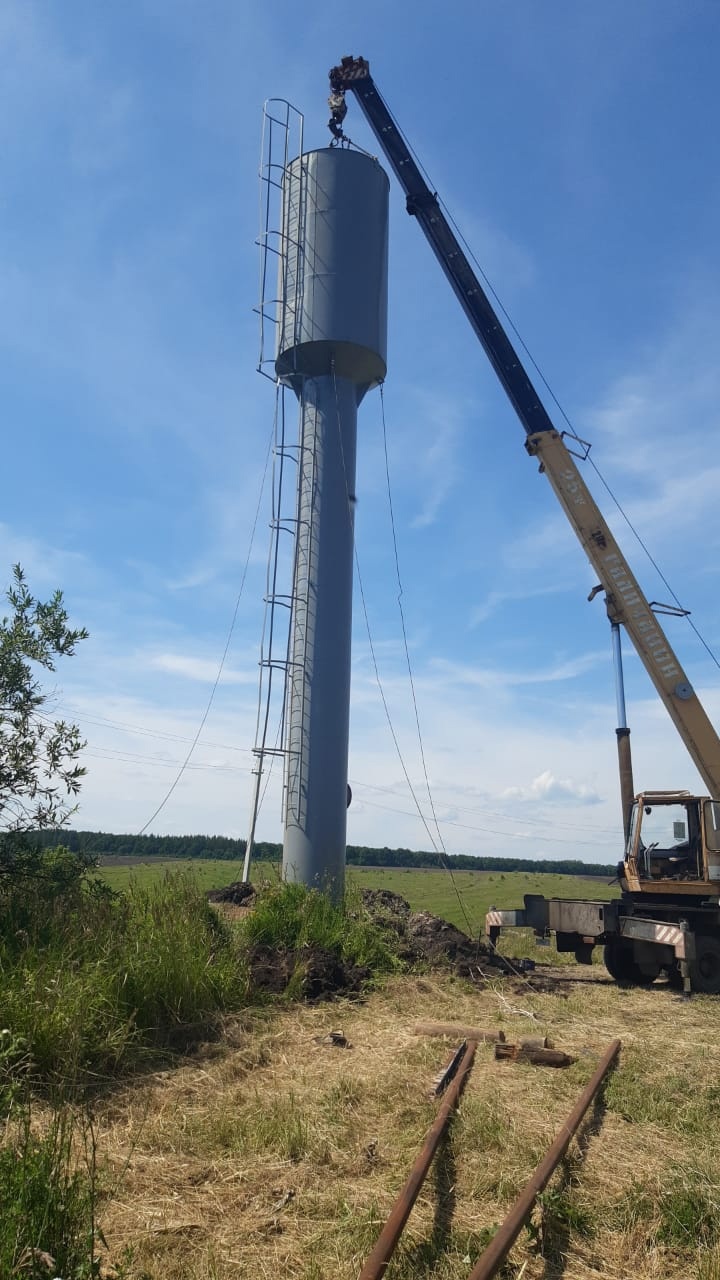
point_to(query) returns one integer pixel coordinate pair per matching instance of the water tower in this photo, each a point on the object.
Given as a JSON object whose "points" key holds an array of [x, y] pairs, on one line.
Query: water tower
{"points": [[331, 351]]}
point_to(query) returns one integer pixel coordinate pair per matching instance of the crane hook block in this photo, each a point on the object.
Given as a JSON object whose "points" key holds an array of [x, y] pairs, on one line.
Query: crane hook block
{"points": [[338, 111]]}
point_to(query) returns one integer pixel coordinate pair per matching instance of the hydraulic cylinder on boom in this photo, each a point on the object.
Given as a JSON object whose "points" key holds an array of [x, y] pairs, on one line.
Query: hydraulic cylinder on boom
{"points": [[677, 875]]}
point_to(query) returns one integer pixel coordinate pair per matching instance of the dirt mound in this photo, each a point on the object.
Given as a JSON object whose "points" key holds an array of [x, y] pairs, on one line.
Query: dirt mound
{"points": [[311, 973], [239, 894], [420, 936], [314, 973], [384, 902], [437, 939]]}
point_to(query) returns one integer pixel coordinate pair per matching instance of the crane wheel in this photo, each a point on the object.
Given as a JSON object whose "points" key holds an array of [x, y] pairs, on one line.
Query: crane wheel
{"points": [[620, 964], [705, 968]]}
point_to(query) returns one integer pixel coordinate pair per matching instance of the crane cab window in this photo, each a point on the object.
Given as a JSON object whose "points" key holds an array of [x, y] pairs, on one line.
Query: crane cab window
{"points": [[634, 824], [669, 844], [712, 825]]}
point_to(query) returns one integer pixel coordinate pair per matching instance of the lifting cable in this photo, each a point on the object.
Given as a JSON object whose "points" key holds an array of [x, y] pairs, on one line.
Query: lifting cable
{"points": [[571, 430]]}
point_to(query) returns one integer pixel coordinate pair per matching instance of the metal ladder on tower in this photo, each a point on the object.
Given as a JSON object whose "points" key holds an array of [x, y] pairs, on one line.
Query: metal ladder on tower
{"points": [[281, 266]]}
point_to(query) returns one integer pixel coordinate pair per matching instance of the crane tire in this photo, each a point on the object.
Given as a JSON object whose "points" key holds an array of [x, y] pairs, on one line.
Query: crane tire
{"points": [[705, 968], [621, 966]]}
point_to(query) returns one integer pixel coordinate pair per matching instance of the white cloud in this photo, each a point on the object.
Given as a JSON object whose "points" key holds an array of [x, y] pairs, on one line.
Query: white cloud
{"points": [[546, 787]]}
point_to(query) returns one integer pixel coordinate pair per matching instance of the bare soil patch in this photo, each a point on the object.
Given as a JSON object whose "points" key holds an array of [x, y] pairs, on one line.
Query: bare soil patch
{"points": [[319, 974], [237, 894]]}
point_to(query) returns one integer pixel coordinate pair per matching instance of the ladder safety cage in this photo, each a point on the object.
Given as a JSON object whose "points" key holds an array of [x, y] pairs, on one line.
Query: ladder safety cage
{"points": [[280, 294], [282, 141]]}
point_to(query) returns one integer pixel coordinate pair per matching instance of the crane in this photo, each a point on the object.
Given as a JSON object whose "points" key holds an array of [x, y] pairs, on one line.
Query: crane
{"points": [[679, 881]]}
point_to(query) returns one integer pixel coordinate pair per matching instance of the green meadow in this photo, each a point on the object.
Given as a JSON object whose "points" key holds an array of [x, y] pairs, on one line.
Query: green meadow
{"points": [[462, 897]]}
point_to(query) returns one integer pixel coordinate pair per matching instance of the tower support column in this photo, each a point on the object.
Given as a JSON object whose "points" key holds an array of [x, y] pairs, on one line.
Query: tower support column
{"points": [[318, 709]]}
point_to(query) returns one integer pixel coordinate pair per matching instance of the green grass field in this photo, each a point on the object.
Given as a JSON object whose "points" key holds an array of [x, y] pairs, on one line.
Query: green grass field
{"points": [[462, 898]]}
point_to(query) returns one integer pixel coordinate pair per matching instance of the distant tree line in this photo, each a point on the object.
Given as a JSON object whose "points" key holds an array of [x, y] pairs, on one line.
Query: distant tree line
{"points": [[104, 844], [361, 857]]}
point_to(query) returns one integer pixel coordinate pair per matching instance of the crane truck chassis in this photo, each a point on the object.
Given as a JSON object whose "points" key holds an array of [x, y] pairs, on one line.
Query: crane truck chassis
{"points": [[660, 922], [668, 915]]}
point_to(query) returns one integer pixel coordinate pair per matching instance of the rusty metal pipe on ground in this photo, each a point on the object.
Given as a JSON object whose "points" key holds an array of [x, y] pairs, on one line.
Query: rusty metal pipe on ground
{"points": [[488, 1263], [381, 1254]]}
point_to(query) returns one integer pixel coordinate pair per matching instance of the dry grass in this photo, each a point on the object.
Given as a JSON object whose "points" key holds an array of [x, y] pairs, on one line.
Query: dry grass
{"points": [[278, 1155]]}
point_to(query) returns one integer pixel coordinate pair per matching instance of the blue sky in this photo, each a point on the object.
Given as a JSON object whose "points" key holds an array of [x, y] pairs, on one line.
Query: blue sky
{"points": [[576, 145]]}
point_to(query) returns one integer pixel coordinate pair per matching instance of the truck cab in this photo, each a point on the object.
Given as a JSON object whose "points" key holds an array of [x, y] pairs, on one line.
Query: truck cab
{"points": [[673, 845]]}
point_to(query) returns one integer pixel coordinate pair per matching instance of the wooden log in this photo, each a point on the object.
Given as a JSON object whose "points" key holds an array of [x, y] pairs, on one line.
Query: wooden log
{"points": [[540, 1057], [457, 1031]]}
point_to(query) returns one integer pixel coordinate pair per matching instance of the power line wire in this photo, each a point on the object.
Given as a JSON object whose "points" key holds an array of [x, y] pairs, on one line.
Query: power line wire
{"points": [[440, 849], [466, 826], [357, 782], [206, 712]]}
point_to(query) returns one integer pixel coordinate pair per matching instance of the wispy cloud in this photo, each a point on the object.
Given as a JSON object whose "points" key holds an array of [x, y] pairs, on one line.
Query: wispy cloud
{"points": [[497, 678], [425, 430], [436, 465], [204, 670], [44, 564], [496, 600], [653, 424]]}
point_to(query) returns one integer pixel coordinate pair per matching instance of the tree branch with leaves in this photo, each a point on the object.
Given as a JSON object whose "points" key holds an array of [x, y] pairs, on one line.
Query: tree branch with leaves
{"points": [[39, 756]]}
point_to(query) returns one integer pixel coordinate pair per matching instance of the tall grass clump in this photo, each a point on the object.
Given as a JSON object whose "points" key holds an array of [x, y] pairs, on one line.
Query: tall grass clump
{"points": [[47, 1226], [178, 960], [91, 979], [48, 1185], [291, 917]]}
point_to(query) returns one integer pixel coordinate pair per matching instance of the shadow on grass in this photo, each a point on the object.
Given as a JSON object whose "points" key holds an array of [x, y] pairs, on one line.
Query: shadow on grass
{"points": [[561, 1217], [437, 1256], [445, 1179]]}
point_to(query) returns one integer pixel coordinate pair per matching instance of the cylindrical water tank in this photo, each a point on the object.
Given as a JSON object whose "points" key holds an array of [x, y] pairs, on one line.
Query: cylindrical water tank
{"points": [[333, 272]]}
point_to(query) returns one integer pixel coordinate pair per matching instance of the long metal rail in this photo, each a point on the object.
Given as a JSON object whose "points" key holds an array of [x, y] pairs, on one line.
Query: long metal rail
{"points": [[379, 1258], [493, 1257], [506, 1235]]}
